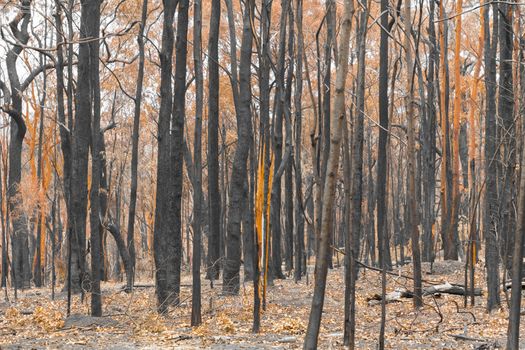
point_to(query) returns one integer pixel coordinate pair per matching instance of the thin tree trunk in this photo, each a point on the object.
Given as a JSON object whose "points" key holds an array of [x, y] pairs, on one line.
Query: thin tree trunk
{"points": [[299, 204], [338, 113], [40, 236], [428, 133], [382, 209], [275, 199], [411, 209], [135, 148], [93, 11]]}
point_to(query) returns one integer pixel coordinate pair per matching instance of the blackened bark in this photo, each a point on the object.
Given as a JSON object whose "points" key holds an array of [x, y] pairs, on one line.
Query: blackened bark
{"points": [[135, 148], [428, 131], [239, 171], [513, 332], [491, 196], [80, 141], [164, 241], [247, 225], [353, 238], [275, 200], [177, 139], [92, 29], [288, 217], [4, 234], [214, 196], [122, 249], [381, 197], [411, 210], [21, 267], [196, 318], [371, 232], [299, 205], [507, 132], [288, 182], [264, 106], [37, 274]]}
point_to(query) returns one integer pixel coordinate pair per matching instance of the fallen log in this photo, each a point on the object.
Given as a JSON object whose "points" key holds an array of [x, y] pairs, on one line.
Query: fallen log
{"points": [[400, 293], [447, 288], [391, 297]]}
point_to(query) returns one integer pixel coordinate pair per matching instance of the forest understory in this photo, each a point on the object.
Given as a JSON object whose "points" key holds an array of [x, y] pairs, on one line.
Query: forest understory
{"points": [[131, 321]]}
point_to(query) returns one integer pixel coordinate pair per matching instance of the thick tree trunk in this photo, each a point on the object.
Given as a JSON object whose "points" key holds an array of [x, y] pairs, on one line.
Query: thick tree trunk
{"points": [[231, 282], [507, 132], [214, 195], [96, 157], [177, 139], [164, 240], [491, 202], [81, 139], [381, 196], [196, 317], [513, 332], [355, 183], [21, 267]]}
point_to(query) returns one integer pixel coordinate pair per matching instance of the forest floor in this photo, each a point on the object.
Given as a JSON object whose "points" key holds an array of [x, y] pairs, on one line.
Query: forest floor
{"points": [[35, 322]]}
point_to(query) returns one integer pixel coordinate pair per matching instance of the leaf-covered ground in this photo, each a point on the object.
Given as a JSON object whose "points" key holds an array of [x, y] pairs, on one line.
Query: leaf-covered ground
{"points": [[34, 321]]}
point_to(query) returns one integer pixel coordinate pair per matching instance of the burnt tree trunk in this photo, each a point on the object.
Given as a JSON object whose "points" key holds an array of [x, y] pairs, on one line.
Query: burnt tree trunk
{"points": [[214, 195], [231, 281], [491, 202], [135, 149]]}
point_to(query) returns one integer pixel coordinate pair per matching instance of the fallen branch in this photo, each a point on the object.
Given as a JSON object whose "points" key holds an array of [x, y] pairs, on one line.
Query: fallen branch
{"points": [[465, 337], [392, 273]]}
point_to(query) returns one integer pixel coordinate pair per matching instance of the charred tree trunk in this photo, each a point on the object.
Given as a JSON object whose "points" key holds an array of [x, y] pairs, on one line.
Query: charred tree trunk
{"points": [[214, 195], [177, 139], [299, 204], [21, 267], [93, 8], [231, 281], [135, 148], [196, 318], [164, 241], [428, 132], [382, 167], [356, 187], [508, 133], [491, 202], [275, 201]]}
